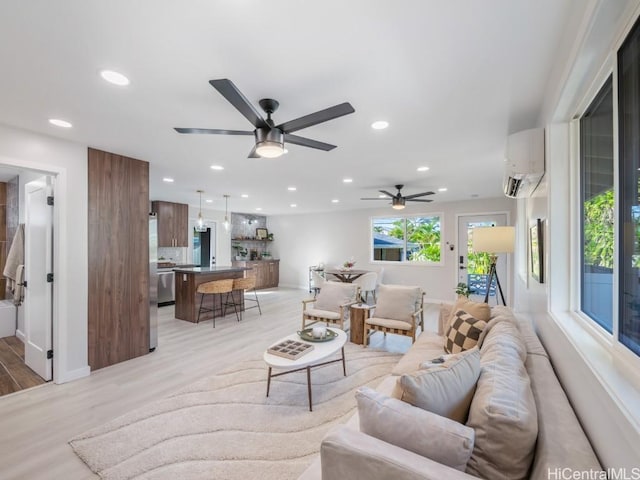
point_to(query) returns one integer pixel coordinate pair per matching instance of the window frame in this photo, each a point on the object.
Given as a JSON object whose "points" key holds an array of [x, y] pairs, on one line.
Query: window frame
{"points": [[404, 262]]}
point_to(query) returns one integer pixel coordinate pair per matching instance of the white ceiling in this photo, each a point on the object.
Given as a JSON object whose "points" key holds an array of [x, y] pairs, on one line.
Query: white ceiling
{"points": [[452, 77]]}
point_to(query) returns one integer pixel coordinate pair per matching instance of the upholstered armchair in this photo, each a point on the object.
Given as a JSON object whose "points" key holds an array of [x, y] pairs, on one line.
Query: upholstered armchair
{"points": [[399, 310], [331, 305]]}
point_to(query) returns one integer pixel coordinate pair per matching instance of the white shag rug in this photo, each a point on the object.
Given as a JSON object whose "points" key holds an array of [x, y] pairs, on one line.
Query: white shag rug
{"points": [[223, 427]]}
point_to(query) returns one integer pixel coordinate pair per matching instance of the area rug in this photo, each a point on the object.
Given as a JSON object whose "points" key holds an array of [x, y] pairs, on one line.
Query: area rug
{"points": [[223, 427]]}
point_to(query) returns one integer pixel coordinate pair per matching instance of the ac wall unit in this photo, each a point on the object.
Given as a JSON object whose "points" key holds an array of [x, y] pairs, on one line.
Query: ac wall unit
{"points": [[524, 164]]}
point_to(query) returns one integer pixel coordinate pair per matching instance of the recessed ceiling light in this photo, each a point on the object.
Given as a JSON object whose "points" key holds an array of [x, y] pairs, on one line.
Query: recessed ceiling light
{"points": [[423, 169], [335, 200], [382, 195], [60, 123], [293, 205], [442, 189], [217, 167], [285, 151], [114, 77], [167, 179], [244, 195], [209, 201], [292, 189], [259, 208], [379, 125], [347, 180]]}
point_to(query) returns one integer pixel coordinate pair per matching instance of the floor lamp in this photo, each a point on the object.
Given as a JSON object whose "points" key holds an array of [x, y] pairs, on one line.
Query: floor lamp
{"points": [[494, 240]]}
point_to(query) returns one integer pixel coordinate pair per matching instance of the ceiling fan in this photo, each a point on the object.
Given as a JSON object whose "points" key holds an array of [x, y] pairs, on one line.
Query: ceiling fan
{"points": [[398, 200], [270, 138]]}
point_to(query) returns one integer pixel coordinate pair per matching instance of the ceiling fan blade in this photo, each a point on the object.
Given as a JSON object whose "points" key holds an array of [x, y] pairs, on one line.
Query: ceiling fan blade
{"points": [[376, 198], [425, 200], [387, 193], [235, 97], [415, 195], [316, 118], [253, 154], [213, 131], [307, 142]]}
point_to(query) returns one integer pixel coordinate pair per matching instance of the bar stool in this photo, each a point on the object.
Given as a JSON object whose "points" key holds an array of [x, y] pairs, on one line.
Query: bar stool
{"points": [[216, 287], [242, 285]]}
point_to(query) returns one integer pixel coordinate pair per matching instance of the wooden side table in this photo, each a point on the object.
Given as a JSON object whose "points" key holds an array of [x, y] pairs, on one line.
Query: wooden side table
{"points": [[359, 313]]}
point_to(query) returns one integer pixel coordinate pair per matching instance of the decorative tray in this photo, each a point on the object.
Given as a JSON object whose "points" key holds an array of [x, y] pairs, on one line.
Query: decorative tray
{"points": [[307, 335], [290, 349]]}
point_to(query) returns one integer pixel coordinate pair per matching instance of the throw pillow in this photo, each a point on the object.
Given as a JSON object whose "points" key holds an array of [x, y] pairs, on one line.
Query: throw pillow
{"points": [[334, 294], [414, 429], [479, 310], [463, 332], [397, 302], [447, 391]]}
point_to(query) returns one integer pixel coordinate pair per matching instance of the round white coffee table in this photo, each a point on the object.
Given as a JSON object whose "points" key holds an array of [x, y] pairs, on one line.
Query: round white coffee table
{"points": [[320, 352]]}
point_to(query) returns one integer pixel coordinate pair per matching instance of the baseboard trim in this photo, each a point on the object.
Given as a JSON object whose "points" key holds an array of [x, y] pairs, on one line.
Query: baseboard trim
{"points": [[72, 375], [21, 336]]}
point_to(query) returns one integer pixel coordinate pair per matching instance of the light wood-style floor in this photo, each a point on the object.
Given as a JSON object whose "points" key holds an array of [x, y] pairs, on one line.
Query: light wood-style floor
{"points": [[36, 424]]}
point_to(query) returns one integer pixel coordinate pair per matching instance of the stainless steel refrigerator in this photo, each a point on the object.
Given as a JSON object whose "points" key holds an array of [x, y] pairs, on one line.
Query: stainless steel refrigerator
{"points": [[153, 282]]}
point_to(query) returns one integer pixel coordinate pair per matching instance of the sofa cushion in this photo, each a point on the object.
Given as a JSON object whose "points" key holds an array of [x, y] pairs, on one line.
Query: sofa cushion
{"points": [[463, 332], [446, 390], [428, 345], [414, 429], [479, 310], [503, 411], [334, 294], [397, 302]]}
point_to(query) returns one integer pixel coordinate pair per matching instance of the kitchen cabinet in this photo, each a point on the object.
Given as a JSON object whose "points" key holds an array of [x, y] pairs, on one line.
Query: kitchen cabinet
{"points": [[267, 272], [173, 223]]}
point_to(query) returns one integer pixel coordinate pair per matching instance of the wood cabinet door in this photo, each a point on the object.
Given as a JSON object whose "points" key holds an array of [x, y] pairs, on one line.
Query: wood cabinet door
{"points": [[181, 224], [164, 213], [258, 269]]}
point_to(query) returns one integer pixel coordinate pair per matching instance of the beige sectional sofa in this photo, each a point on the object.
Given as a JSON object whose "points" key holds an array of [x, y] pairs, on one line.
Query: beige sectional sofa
{"points": [[560, 443]]}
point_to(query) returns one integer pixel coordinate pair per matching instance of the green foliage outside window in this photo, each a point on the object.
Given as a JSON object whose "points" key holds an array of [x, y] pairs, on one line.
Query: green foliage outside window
{"points": [[598, 230], [422, 237]]}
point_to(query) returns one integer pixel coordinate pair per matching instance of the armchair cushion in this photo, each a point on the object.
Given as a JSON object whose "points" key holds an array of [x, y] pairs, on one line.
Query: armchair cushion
{"points": [[314, 312], [447, 390], [333, 295], [397, 302], [385, 322], [414, 429]]}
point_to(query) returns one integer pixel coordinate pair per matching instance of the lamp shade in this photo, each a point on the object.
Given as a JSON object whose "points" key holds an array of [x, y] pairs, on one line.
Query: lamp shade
{"points": [[494, 239]]}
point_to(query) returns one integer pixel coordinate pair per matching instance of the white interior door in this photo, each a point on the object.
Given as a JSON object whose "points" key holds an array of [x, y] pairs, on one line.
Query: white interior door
{"points": [[38, 295], [473, 269]]}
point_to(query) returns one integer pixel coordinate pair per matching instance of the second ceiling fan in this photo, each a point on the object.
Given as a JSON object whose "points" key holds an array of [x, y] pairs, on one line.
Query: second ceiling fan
{"points": [[398, 200], [269, 137]]}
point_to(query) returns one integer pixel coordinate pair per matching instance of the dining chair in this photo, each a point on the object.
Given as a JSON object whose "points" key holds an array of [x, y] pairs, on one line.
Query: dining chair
{"points": [[399, 310], [367, 283], [331, 305], [318, 281]]}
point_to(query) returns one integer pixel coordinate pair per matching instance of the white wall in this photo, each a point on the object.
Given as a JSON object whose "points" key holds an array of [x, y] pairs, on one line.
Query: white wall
{"points": [[332, 238], [68, 161]]}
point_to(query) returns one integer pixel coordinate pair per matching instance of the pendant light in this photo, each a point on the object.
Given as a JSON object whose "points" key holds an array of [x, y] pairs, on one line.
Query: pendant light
{"points": [[226, 212], [200, 219]]}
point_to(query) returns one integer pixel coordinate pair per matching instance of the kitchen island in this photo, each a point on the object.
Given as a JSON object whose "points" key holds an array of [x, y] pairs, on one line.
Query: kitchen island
{"points": [[187, 298]]}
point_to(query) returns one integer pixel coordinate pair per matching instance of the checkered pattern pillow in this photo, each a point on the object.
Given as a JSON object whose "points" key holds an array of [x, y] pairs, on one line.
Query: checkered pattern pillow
{"points": [[463, 332]]}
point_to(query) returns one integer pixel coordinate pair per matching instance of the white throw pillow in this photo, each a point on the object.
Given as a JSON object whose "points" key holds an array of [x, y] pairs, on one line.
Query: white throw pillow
{"points": [[446, 390], [414, 429], [397, 302], [334, 294]]}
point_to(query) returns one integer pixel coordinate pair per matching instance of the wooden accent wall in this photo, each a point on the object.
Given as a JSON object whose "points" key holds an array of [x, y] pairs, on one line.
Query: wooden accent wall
{"points": [[118, 258]]}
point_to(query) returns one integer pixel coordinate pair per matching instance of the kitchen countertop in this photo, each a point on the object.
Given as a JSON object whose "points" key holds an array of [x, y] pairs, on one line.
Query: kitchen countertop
{"points": [[205, 270]]}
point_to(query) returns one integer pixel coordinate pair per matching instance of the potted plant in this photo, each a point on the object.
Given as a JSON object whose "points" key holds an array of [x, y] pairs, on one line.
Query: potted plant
{"points": [[463, 289]]}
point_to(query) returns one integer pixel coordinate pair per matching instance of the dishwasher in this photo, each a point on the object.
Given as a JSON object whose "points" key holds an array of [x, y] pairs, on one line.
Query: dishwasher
{"points": [[166, 288]]}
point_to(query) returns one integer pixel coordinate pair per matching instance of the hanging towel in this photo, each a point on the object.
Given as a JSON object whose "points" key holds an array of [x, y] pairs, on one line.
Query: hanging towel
{"points": [[15, 259]]}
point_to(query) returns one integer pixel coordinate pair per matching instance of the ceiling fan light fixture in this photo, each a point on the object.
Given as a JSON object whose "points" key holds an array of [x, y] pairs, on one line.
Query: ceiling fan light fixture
{"points": [[269, 149], [397, 203]]}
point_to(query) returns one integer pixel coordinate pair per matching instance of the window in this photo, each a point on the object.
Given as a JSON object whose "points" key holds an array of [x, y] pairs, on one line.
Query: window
{"points": [[597, 208], [407, 239], [629, 213]]}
